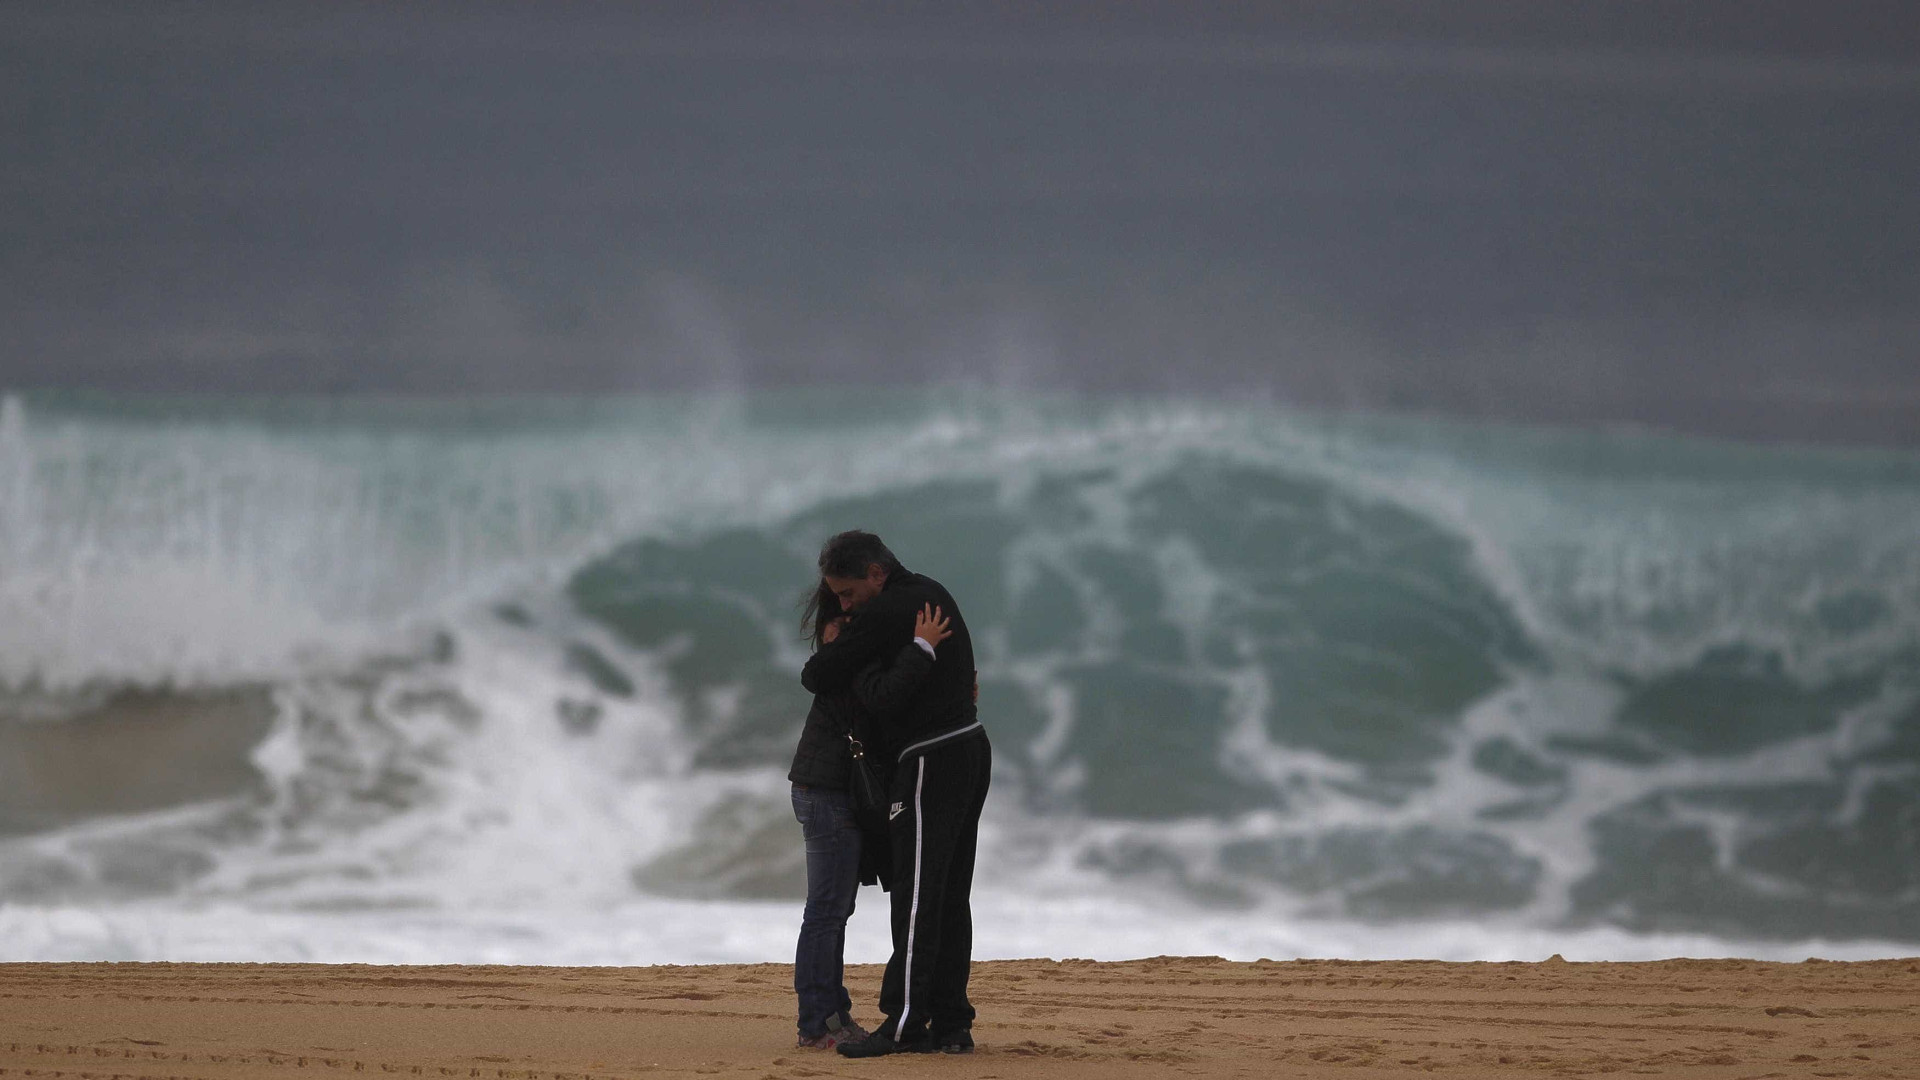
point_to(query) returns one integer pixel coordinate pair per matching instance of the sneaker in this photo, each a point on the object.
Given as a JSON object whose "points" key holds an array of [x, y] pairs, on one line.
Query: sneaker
{"points": [[846, 1032]]}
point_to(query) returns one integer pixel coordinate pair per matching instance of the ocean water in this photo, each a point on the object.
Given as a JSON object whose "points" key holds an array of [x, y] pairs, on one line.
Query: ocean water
{"points": [[515, 681]]}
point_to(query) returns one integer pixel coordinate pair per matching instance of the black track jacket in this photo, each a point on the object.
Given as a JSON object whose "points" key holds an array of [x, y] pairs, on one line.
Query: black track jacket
{"points": [[941, 704]]}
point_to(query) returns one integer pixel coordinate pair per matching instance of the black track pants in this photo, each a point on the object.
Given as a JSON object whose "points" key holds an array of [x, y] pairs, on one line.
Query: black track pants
{"points": [[939, 795]]}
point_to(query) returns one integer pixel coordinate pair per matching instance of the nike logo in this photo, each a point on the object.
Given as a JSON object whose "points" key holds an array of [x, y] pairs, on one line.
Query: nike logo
{"points": [[896, 810]]}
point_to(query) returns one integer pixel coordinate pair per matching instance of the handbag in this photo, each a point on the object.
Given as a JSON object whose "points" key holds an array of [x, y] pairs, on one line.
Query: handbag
{"points": [[869, 795], [863, 780]]}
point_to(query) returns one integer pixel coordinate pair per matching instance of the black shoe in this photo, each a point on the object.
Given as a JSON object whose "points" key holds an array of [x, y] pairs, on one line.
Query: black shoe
{"points": [[880, 1044], [953, 1042]]}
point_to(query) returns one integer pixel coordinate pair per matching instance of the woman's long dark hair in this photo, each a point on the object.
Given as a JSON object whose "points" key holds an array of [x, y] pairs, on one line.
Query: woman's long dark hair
{"points": [[820, 608]]}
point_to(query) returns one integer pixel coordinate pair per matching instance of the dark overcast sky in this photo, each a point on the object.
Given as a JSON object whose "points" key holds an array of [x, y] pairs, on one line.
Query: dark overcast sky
{"points": [[1704, 215]]}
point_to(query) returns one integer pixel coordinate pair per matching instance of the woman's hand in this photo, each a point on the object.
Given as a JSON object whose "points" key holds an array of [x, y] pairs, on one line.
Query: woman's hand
{"points": [[929, 627], [832, 630]]}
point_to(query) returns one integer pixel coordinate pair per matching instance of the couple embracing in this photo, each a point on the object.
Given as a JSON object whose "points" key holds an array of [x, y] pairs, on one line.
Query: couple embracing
{"points": [[894, 692]]}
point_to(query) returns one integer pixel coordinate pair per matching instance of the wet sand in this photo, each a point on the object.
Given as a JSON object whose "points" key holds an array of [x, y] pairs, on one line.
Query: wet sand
{"points": [[1042, 1019]]}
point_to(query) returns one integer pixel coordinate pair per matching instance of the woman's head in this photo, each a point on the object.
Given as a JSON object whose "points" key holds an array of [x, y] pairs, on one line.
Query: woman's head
{"points": [[820, 610]]}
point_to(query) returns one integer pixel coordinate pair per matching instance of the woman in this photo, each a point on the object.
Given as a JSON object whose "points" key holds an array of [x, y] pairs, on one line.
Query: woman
{"points": [[823, 803]]}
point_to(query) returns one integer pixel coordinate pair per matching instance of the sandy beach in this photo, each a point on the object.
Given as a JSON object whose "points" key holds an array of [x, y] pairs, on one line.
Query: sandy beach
{"points": [[1196, 1016]]}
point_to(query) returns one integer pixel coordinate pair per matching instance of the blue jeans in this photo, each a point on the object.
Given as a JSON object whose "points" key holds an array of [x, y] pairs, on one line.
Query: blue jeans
{"points": [[833, 877]]}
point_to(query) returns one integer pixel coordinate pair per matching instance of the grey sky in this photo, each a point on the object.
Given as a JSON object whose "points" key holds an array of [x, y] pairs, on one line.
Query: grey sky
{"points": [[1702, 215]]}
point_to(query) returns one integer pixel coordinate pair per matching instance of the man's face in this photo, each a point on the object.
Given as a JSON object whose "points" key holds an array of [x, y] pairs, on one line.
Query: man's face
{"points": [[855, 592]]}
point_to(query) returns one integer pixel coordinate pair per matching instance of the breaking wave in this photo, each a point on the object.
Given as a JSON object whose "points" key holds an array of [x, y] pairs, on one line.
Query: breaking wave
{"points": [[1296, 678]]}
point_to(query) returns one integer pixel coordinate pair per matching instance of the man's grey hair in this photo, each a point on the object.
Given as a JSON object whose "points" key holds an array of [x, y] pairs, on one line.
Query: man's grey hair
{"points": [[848, 555]]}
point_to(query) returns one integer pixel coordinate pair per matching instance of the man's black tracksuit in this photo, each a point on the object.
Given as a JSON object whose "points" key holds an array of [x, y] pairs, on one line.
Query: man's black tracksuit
{"points": [[939, 787]]}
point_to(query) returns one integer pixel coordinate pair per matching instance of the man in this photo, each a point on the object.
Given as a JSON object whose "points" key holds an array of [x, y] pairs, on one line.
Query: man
{"points": [[939, 787]]}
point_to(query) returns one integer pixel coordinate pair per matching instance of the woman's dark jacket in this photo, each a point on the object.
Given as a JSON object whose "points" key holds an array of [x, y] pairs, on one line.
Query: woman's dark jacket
{"points": [[823, 757]]}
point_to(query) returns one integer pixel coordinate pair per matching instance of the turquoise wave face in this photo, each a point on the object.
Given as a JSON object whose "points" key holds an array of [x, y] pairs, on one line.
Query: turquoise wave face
{"points": [[1156, 606], [1335, 680]]}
